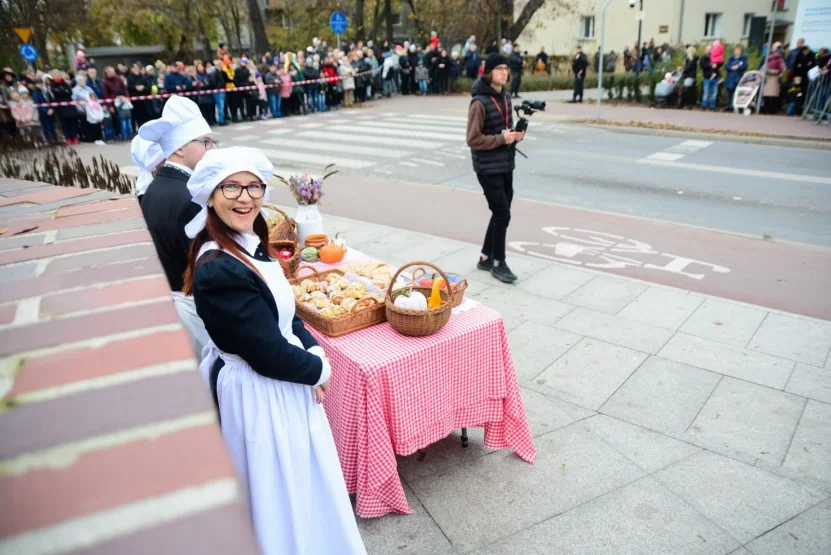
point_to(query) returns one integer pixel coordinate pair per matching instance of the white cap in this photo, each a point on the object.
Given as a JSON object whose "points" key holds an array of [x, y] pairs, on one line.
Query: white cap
{"points": [[181, 122], [146, 156], [216, 165]]}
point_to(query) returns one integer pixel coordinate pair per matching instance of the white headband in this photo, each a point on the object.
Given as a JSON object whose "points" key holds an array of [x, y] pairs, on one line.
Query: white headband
{"points": [[215, 166]]}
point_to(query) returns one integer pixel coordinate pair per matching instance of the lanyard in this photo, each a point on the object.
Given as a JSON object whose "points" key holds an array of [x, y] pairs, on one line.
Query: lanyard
{"points": [[504, 114]]}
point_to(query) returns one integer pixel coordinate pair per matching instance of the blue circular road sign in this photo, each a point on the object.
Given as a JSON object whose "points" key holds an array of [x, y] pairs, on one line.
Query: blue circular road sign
{"points": [[338, 22], [29, 52]]}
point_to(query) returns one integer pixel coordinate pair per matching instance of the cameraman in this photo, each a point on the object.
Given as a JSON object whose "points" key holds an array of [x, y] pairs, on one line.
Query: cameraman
{"points": [[491, 141]]}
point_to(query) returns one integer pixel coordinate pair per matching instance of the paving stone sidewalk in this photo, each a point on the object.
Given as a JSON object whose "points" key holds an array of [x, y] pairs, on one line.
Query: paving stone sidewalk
{"points": [[665, 421]]}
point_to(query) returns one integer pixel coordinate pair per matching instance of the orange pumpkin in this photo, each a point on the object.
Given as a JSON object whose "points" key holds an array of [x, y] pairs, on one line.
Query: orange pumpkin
{"points": [[331, 253]]}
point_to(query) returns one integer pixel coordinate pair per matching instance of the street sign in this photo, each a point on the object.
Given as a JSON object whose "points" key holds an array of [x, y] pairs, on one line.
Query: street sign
{"points": [[338, 22], [29, 52], [25, 33]]}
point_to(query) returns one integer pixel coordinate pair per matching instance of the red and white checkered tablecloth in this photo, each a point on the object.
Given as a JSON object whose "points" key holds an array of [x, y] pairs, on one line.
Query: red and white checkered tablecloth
{"points": [[392, 395]]}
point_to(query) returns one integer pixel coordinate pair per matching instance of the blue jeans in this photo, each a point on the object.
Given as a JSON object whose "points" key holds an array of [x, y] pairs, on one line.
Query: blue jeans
{"points": [[708, 98], [422, 86], [219, 100], [48, 124], [321, 101], [109, 132], [127, 127], [274, 103], [312, 100]]}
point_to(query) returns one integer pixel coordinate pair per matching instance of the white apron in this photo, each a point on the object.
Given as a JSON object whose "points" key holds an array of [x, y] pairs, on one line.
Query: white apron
{"points": [[282, 447], [186, 309]]}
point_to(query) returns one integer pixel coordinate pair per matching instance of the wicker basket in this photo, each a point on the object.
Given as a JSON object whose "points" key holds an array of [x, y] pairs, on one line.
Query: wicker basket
{"points": [[418, 323], [282, 233], [366, 313]]}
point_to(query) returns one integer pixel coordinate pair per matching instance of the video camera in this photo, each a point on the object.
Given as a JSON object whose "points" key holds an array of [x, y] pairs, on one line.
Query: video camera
{"points": [[528, 107]]}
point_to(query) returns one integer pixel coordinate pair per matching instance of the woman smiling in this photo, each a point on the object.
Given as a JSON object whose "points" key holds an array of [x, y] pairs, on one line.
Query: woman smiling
{"points": [[266, 372]]}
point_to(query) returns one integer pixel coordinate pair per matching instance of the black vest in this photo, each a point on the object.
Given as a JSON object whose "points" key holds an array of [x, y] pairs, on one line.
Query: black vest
{"points": [[499, 160]]}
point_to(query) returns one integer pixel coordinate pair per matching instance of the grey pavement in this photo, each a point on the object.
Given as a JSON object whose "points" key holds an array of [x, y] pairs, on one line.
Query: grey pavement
{"points": [[665, 421]]}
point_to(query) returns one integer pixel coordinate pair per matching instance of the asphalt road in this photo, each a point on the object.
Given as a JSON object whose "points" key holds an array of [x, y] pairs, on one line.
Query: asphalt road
{"points": [[747, 203]]}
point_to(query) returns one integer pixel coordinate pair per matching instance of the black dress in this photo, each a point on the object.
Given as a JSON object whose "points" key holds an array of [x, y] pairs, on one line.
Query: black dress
{"points": [[167, 209]]}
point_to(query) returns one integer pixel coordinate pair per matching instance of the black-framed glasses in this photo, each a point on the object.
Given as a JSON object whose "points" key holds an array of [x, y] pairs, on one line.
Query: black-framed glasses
{"points": [[209, 144], [233, 191]]}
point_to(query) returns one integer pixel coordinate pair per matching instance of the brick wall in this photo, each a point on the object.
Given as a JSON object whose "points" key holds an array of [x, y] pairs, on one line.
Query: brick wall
{"points": [[109, 438]]}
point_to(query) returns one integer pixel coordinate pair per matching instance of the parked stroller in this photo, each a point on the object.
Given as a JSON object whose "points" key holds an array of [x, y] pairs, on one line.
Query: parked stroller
{"points": [[667, 90], [747, 92]]}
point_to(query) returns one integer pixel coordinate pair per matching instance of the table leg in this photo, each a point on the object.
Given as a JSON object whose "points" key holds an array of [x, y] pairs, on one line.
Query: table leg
{"points": [[464, 437]]}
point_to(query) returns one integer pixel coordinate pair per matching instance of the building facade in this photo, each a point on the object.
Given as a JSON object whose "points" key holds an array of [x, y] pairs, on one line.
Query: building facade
{"points": [[664, 21]]}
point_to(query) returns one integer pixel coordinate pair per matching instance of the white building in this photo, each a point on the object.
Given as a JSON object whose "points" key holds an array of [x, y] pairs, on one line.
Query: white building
{"points": [[664, 21]]}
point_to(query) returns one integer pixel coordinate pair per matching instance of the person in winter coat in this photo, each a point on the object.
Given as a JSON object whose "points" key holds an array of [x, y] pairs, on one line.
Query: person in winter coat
{"points": [[516, 62], [579, 66], [113, 86], [311, 74], [242, 78], [709, 73], [443, 74], [137, 85], [41, 95], [422, 77], [24, 113], [690, 72], [330, 73], [206, 102], [62, 92], [272, 80], [771, 103], [472, 62], [81, 93], [628, 60], [455, 67], [491, 141], [346, 74], [736, 66], [94, 113], [285, 91]]}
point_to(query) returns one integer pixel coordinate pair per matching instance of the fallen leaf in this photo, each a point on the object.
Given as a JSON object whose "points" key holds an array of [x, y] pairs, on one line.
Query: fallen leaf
{"points": [[718, 323], [540, 382], [805, 449], [563, 467], [791, 534], [411, 536], [718, 415], [700, 537]]}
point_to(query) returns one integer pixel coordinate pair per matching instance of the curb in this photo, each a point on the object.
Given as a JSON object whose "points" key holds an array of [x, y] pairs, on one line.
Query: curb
{"points": [[766, 140]]}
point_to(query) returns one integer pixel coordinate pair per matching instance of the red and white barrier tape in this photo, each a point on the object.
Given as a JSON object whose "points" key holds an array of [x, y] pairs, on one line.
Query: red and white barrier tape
{"points": [[321, 81]]}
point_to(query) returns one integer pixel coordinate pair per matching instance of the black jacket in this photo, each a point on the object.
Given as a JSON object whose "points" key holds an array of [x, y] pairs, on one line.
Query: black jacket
{"points": [[133, 81], [499, 160], [167, 209], [515, 61], [241, 317], [311, 74], [63, 93], [691, 67], [579, 63], [708, 71]]}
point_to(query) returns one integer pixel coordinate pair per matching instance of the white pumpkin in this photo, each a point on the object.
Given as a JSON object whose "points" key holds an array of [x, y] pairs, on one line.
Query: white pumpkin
{"points": [[415, 301]]}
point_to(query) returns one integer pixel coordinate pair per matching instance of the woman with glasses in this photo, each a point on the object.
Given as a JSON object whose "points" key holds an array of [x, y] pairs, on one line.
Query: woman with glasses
{"points": [[266, 372], [491, 139], [184, 137]]}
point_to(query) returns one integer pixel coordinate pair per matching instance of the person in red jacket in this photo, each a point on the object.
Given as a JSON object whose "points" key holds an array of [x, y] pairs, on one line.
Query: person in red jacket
{"points": [[113, 86], [330, 73]]}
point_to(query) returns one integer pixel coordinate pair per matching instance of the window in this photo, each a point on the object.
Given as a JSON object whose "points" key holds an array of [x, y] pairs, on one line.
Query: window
{"points": [[587, 27], [396, 18], [712, 25], [748, 18], [282, 18]]}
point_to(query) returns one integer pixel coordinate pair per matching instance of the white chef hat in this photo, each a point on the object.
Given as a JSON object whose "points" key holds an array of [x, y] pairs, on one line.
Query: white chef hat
{"points": [[216, 165], [146, 156], [181, 122]]}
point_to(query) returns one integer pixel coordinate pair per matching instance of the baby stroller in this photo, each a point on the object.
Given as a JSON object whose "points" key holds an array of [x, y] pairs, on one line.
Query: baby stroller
{"points": [[667, 90], [747, 92]]}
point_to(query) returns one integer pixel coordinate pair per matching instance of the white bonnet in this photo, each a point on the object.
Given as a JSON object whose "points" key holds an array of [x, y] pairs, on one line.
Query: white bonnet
{"points": [[146, 156]]}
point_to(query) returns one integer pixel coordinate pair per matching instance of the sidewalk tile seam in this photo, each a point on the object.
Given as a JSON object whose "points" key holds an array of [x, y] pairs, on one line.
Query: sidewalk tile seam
{"points": [[796, 427], [435, 522], [755, 332], [785, 522], [644, 361], [704, 404], [553, 362], [633, 301]]}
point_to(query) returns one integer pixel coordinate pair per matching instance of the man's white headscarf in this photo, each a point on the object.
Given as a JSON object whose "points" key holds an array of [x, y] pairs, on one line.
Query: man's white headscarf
{"points": [[181, 122], [146, 156], [215, 166]]}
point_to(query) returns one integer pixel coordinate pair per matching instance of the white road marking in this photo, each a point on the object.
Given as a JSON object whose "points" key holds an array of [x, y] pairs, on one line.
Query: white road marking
{"points": [[293, 158], [311, 125], [274, 121], [367, 139], [414, 126], [696, 144], [408, 164], [431, 162], [131, 171], [243, 127], [368, 128], [451, 155], [738, 171], [445, 118], [383, 171], [338, 147], [282, 131], [670, 156]]}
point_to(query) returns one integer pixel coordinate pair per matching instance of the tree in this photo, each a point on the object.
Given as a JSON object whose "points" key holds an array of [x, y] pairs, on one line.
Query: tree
{"points": [[52, 21], [255, 16]]}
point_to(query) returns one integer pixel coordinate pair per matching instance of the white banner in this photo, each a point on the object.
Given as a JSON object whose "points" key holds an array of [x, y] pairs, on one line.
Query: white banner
{"points": [[813, 23]]}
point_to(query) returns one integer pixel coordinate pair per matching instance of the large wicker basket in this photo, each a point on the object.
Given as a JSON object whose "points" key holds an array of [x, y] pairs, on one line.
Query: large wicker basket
{"points": [[282, 233], [418, 323], [368, 312]]}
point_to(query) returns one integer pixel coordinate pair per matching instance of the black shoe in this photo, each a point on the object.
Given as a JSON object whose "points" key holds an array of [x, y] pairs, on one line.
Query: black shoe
{"points": [[503, 273], [485, 264], [572, 101]]}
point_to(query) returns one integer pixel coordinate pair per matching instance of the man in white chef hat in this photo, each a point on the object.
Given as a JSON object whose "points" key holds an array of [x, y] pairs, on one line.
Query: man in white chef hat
{"points": [[184, 137]]}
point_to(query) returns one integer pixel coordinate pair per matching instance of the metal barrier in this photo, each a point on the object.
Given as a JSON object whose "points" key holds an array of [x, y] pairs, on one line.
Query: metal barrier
{"points": [[818, 100]]}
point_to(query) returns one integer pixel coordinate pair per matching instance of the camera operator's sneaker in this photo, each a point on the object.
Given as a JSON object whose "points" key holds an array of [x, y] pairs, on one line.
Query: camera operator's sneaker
{"points": [[485, 264], [503, 273]]}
